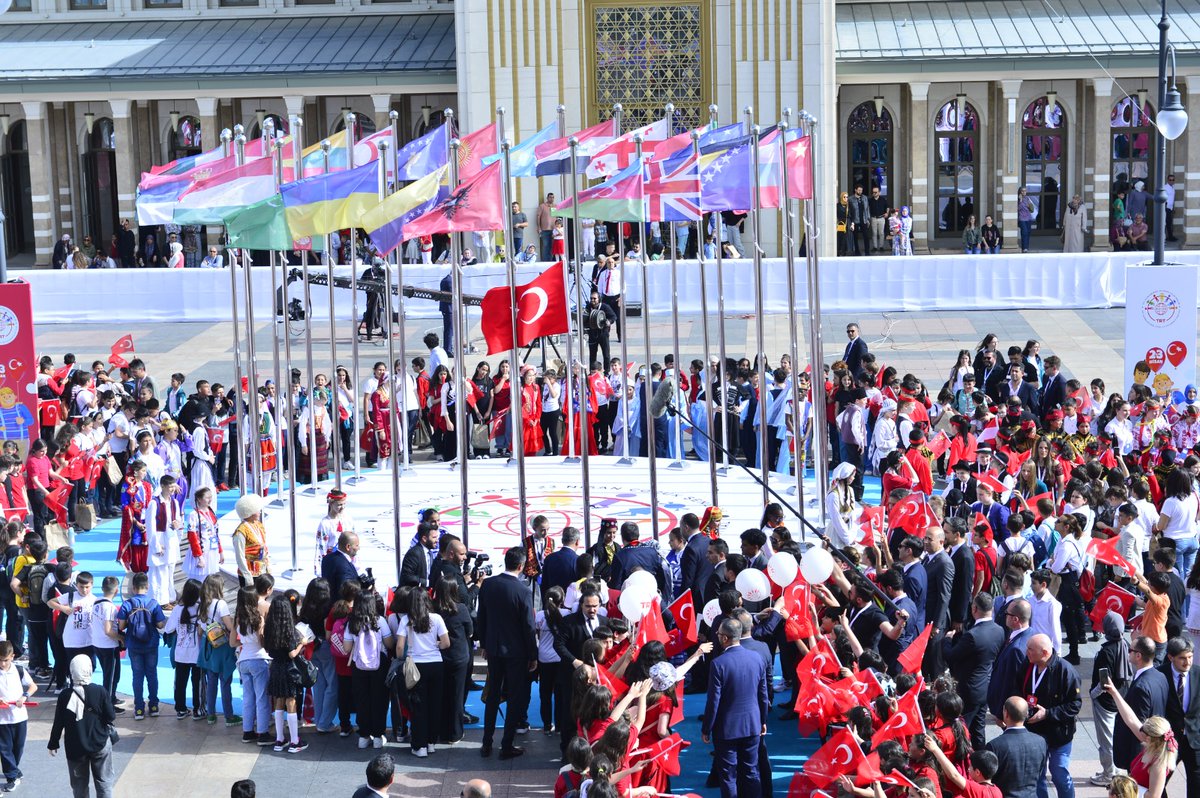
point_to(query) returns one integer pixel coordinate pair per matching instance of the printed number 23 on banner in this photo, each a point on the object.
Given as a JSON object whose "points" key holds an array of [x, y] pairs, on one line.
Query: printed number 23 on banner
{"points": [[1160, 324]]}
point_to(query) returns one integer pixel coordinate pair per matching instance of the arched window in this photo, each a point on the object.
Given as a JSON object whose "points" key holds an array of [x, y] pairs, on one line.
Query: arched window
{"points": [[100, 171], [16, 197], [869, 136], [364, 125], [1044, 165], [185, 139], [956, 142], [281, 126], [1132, 143]]}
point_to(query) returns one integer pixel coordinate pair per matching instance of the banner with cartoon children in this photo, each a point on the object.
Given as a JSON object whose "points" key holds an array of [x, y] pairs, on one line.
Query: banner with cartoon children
{"points": [[18, 373], [1160, 329]]}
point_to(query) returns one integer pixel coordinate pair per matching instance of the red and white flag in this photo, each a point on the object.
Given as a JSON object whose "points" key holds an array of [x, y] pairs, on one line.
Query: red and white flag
{"points": [[541, 310], [620, 153], [904, 722], [839, 755], [800, 171]]}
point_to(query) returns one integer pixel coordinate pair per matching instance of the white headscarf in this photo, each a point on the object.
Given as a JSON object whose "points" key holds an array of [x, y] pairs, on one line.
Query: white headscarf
{"points": [[81, 677]]}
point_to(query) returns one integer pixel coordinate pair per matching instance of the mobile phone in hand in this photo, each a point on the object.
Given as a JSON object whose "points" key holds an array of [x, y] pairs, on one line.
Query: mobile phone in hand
{"points": [[1103, 676]]}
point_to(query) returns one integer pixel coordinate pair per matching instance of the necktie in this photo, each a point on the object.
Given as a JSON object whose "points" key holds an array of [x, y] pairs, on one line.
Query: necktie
{"points": [[1179, 690]]}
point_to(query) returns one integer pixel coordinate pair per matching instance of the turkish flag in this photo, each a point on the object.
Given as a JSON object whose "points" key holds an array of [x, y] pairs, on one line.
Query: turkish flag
{"points": [[651, 627], [913, 515], [986, 478], [872, 524], [1033, 500], [683, 610], [819, 661], [871, 770], [797, 601], [801, 786], [56, 500], [74, 469], [1016, 459], [905, 720], [667, 749], [123, 345], [839, 755], [816, 705], [1106, 551], [95, 466], [910, 658], [541, 310], [606, 679], [1112, 598], [118, 361], [863, 685]]}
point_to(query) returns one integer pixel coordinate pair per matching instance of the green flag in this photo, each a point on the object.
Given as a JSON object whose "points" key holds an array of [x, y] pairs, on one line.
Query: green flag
{"points": [[262, 226]]}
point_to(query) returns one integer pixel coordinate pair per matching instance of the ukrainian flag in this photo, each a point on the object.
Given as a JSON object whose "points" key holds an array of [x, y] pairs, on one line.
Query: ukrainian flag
{"points": [[319, 205]]}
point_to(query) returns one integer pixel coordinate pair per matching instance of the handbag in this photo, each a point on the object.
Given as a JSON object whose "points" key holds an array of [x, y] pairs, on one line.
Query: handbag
{"points": [[422, 436], [480, 439], [411, 674], [56, 536], [304, 672], [112, 471], [85, 516]]}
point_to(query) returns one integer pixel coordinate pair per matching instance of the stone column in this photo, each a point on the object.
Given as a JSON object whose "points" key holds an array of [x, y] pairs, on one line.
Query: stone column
{"points": [[918, 164], [41, 187], [1009, 164], [1101, 163], [127, 175], [383, 105], [210, 128], [1187, 185]]}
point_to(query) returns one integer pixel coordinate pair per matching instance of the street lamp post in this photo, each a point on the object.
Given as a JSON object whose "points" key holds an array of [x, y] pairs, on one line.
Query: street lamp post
{"points": [[1171, 121]]}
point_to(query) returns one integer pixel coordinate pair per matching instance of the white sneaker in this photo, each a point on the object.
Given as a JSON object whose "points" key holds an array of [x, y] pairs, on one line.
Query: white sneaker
{"points": [[363, 742], [420, 752], [377, 742], [432, 749]]}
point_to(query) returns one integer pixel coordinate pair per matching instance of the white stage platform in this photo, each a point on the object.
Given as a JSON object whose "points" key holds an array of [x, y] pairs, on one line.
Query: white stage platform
{"points": [[848, 285], [553, 490]]}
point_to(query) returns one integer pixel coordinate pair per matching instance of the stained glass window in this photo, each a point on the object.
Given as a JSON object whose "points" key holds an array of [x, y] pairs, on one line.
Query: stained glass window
{"points": [[869, 137], [646, 56]]}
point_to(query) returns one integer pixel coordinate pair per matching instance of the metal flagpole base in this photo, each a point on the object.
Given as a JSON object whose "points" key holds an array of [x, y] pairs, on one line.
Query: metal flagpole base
{"points": [[571, 460], [355, 480], [678, 465], [625, 461], [277, 503], [311, 490], [293, 573]]}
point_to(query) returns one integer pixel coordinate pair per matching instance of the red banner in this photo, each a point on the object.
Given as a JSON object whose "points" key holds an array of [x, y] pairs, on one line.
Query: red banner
{"points": [[18, 361]]}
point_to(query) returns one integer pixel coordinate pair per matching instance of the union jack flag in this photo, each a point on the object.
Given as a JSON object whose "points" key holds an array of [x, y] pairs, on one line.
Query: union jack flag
{"points": [[673, 189]]}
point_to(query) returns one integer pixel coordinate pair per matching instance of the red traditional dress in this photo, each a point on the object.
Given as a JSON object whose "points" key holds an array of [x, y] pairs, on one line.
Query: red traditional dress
{"points": [[381, 425], [653, 775], [133, 546], [531, 418]]}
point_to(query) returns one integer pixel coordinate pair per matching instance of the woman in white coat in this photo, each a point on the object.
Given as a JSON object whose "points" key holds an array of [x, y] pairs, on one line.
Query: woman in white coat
{"points": [[203, 460], [886, 437], [841, 508]]}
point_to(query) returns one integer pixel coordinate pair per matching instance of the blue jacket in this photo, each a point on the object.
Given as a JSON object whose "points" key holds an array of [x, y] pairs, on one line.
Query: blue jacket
{"points": [[737, 695], [558, 569], [639, 555], [1008, 671], [337, 569], [916, 586]]}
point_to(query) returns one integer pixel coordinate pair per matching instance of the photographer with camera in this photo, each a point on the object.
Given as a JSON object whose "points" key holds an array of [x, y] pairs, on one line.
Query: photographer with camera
{"points": [[598, 323]]}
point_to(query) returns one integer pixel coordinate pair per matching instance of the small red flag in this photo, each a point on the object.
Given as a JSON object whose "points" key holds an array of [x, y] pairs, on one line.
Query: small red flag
{"points": [[541, 310], [1016, 459], [907, 513], [905, 721], [910, 658], [118, 361], [1033, 500], [74, 469], [56, 500], [939, 444], [815, 704], [819, 661], [872, 524], [123, 345], [797, 601], [606, 679], [1106, 552], [839, 755], [667, 750], [998, 487], [651, 627], [1112, 598], [871, 770], [683, 610]]}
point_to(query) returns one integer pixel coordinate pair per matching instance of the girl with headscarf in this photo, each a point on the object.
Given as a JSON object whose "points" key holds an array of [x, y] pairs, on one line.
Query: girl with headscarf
{"points": [[315, 414], [841, 507], [175, 261], [88, 744], [885, 438], [902, 232]]}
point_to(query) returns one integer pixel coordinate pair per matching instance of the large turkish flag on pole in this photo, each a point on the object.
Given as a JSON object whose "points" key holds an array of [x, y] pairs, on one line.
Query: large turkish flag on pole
{"points": [[541, 310]]}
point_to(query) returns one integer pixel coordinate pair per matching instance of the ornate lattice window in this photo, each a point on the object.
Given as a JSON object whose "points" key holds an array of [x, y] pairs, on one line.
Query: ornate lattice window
{"points": [[956, 131], [1132, 143], [869, 139], [1044, 167], [645, 56]]}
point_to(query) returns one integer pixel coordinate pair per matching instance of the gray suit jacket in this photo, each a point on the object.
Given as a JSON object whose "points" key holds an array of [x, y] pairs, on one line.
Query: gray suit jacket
{"points": [[1022, 756], [939, 569]]}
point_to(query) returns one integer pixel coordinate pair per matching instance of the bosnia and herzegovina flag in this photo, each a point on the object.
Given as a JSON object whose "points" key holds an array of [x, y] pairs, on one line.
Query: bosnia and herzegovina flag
{"points": [[386, 221], [319, 205]]}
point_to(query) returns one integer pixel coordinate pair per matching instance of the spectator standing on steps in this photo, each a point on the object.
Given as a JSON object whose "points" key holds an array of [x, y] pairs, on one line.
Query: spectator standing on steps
{"points": [[545, 224]]}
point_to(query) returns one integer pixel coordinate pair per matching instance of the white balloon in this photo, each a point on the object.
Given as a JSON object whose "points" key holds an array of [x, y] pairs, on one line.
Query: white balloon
{"points": [[634, 604], [782, 568], [816, 565], [753, 585], [5, 5], [643, 580], [711, 610]]}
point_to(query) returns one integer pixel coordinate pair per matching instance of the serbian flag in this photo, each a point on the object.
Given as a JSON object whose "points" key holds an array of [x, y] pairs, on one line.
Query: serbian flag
{"points": [[56, 500], [473, 148], [1112, 598], [541, 310], [475, 206], [910, 658], [683, 610], [800, 170], [614, 684], [651, 627], [904, 722], [841, 754], [1106, 551], [667, 751], [872, 524], [797, 599]]}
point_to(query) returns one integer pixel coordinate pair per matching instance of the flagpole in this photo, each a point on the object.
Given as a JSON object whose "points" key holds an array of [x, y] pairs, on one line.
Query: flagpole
{"points": [[627, 457], [394, 117], [707, 370], [718, 224], [287, 411], [271, 150], [648, 435], [585, 431], [569, 377], [821, 430], [677, 420], [514, 411], [330, 257], [255, 430], [760, 332], [309, 370], [460, 353], [350, 120], [239, 410], [789, 244], [398, 390]]}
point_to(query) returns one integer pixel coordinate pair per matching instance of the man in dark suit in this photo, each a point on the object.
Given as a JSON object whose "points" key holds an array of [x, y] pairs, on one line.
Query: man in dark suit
{"points": [[504, 627], [989, 375], [856, 347], [1053, 684], [694, 567], [418, 560], [1010, 663], [337, 567], [916, 580], [1054, 384], [449, 564], [971, 655], [381, 772], [573, 631], [735, 716], [1146, 695], [963, 559], [558, 569], [1022, 754], [1183, 707], [1016, 387], [634, 555], [866, 619], [718, 550], [939, 570]]}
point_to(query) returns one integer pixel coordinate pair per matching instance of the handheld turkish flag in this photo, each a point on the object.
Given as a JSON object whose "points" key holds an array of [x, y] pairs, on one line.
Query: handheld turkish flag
{"points": [[872, 524], [95, 466], [651, 627], [910, 658], [683, 610], [986, 478], [541, 310], [819, 661], [904, 722], [1033, 500], [839, 755], [1016, 459], [872, 770], [863, 685], [74, 469], [667, 750], [1106, 551], [616, 686], [797, 600], [56, 500], [124, 345], [801, 786], [906, 513], [1112, 598], [816, 706]]}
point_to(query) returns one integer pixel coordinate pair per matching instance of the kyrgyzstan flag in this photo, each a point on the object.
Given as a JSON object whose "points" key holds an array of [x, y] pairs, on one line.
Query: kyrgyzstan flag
{"points": [[541, 310], [905, 721], [910, 658], [839, 755], [800, 171], [1112, 598], [1106, 551], [473, 148]]}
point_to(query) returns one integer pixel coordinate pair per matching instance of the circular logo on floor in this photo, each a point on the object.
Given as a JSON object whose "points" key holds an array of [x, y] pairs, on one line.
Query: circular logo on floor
{"points": [[1160, 308]]}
